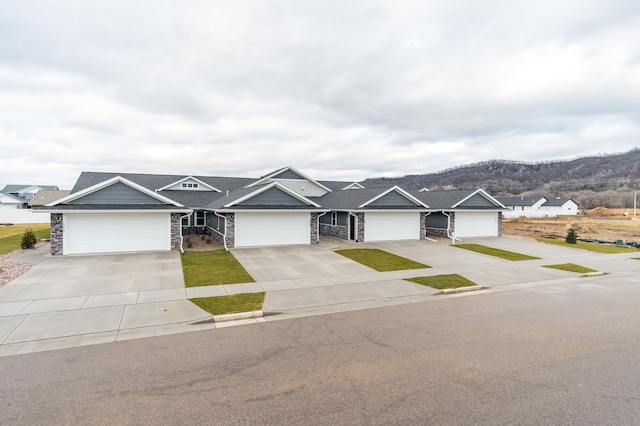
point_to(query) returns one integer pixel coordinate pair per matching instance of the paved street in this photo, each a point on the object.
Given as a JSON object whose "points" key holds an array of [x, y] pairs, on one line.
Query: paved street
{"points": [[543, 353]]}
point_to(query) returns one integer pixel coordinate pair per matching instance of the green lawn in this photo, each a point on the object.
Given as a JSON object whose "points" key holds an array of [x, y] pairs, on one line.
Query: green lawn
{"points": [[232, 304], [503, 254], [571, 267], [380, 260], [11, 236], [441, 282], [201, 268], [598, 248]]}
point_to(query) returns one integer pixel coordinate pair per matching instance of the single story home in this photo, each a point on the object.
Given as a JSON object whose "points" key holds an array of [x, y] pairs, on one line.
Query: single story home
{"points": [[18, 196], [119, 212], [560, 206], [523, 204]]}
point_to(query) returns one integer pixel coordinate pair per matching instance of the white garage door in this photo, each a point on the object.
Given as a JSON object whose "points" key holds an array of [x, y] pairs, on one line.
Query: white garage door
{"points": [[271, 228], [110, 233], [383, 226], [476, 224]]}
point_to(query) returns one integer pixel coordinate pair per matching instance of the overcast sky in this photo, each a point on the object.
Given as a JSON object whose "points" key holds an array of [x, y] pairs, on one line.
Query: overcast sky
{"points": [[337, 89]]}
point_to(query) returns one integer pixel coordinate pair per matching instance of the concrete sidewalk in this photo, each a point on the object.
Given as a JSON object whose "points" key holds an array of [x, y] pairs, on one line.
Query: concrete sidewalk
{"points": [[80, 300]]}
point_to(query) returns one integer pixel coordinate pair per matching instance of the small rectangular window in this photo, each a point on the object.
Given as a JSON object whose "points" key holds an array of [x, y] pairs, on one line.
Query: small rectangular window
{"points": [[334, 218], [184, 185], [199, 218]]}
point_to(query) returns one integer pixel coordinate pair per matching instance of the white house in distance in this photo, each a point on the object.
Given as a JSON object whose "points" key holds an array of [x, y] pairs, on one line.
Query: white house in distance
{"points": [[523, 206], [560, 206]]}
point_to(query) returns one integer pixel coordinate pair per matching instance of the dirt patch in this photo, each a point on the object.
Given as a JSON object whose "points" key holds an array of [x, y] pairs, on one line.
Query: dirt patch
{"points": [[589, 226], [195, 242]]}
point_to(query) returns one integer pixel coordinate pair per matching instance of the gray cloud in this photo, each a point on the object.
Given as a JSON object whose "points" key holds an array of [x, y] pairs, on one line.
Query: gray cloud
{"points": [[339, 90]]}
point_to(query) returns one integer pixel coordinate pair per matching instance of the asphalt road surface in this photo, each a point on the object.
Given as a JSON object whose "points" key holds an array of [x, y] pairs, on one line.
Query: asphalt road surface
{"points": [[555, 354]]}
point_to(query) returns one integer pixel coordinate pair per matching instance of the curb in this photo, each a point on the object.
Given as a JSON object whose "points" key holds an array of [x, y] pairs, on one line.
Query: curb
{"points": [[592, 274], [460, 289], [229, 317]]}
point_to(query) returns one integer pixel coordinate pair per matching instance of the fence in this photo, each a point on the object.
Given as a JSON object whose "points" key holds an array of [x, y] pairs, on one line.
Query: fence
{"points": [[529, 214], [15, 216]]}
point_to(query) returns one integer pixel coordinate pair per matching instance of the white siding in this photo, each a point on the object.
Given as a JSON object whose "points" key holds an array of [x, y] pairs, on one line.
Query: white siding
{"points": [[116, 232], [13, 215], [302, 187]]}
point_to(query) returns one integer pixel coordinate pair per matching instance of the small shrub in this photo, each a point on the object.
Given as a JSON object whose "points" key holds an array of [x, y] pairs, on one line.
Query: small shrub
{"points": [[189, 244], [208, 240], [28, 239], [572, 236]]}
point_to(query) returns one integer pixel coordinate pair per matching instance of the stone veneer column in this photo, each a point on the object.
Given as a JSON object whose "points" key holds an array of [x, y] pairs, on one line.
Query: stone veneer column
{"points": [[229, 223], [423, 225], [313, 231], [452, 221], [57, 234], [176, 225], [499, 224], [360, 233]]}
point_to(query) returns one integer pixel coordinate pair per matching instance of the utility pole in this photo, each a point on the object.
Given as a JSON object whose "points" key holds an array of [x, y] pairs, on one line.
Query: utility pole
{"points": [[635, 203]]}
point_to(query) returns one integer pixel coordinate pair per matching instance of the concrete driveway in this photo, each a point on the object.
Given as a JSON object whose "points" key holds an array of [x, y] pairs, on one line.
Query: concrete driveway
{"points": [[93, 298]]}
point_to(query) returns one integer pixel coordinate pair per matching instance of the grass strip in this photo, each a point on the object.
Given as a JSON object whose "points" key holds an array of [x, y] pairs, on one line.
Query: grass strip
{"points": [[441, 282], [381, 260], [571, 267], [11, 236], [503, 254], [216, 267], [232, 304], [598, 248]]}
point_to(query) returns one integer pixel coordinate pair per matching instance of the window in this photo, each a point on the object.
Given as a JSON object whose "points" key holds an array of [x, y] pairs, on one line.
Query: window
{"points": [[199, 218], [193, 185], [334, 218], [185, 221]]}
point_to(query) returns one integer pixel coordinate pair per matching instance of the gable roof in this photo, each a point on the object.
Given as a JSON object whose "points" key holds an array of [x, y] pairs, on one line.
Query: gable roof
{"points": [[14, 199], [520, 201], [237, 197], [189, 178], [107, 183], [275, 174], [557, 202], [45, 197], [483, 194], [354, 185], [400, 191]]}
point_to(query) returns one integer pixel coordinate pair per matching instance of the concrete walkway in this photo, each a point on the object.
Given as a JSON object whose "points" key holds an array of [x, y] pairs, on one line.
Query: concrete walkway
{"points": [[79, 300]]}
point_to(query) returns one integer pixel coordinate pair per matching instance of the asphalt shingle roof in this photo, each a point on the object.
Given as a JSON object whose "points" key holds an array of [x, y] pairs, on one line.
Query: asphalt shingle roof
{"points": [[519, 201]]}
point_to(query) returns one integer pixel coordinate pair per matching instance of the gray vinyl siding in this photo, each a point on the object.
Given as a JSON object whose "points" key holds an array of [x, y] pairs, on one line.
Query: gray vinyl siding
{"points": [[215, 222], [326, 218], [477, 201], [287, 174], [272, 197], [436, 220], [118, 193], [342, 218], [392, 199]]}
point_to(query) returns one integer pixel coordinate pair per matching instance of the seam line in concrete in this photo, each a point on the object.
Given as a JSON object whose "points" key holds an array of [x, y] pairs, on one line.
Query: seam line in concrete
{"points": [[14, 329]]}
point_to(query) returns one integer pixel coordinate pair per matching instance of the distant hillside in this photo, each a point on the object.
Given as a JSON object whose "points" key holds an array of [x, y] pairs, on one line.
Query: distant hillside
{"points": [[605, 180]]}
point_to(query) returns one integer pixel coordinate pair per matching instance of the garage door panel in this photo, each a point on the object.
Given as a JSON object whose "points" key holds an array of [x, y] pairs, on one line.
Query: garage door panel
{"points": [[112, 233], [271, 229], [386, 226], [476, 224]]}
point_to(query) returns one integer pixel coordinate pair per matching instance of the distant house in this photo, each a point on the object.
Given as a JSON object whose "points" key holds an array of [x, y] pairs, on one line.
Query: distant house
{"points": [[561, 206], [523, 204], [19, 196], [45, 197]]}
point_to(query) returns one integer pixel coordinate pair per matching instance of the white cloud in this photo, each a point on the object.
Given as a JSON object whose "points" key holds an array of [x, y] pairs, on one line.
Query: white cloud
{"points": [[338, 90]]}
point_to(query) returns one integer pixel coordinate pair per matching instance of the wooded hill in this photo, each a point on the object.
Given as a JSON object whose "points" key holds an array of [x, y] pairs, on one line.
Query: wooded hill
{"points": [[604, 180]]}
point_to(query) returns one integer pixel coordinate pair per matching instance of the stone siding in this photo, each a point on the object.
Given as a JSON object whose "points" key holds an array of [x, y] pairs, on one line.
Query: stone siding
{"points": [[436, 232], [230, 222], [452, 221], [341, 232], [314, 238], [175, 231], [499, 224], [57, 234], [360, 233], [423, 225]]}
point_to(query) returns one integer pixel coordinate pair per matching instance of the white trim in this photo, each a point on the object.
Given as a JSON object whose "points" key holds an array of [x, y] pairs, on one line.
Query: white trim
{"points": [[12, 197], [425, 189], [350, 186], [484, 194], [124, 211], [189, 178], [109, 182], [267, 187], [401, 192], [277, 172]]}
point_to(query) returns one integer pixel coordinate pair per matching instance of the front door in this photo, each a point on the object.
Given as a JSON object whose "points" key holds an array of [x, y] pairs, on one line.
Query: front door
{"points": [[352, 228]]}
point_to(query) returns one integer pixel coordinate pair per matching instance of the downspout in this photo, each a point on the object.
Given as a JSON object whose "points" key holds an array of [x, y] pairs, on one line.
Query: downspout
{"points": [[318, 230], [425, 229], [181, 237], [224, 235], [356, 222], [453, 237]]}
